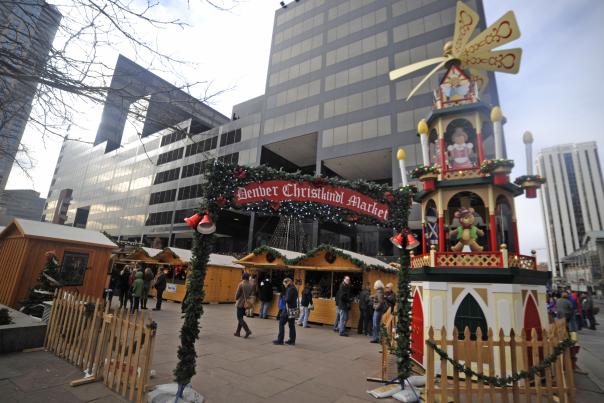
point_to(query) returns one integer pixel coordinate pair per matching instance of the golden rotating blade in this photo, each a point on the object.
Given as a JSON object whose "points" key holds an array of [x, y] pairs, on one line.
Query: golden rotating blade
{"points": [[502, 31], [466, 20], [504, 61], [403, 71], [430, 74]]}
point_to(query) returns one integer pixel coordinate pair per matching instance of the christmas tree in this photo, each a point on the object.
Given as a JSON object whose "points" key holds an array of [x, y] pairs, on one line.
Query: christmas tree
{"points": [[45, 287], [289, 235]]}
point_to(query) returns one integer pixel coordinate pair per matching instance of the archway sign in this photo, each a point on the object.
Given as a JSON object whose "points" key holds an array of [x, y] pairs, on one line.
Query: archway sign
{"points": [[268, 191]]}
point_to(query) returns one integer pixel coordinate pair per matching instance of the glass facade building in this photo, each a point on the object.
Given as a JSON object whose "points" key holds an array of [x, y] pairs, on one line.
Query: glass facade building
{"points": [[328, 107]]}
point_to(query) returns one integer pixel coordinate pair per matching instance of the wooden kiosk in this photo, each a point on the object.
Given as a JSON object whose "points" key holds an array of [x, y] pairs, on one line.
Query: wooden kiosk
{"points": [[322, 268], [83, 254], [220, 283]]}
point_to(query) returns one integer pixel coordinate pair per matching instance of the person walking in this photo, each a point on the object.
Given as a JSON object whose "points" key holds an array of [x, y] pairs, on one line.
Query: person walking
{"points": [[160, 286], [343, 300], [124, 285], [147, 279], [266, 297], [242, 296], [565, 310], [137, 290], [588, 311], [306, 304], [364, 300], [379, 306], [390, 298], [250, 311], [114, 285], [289, 313]]}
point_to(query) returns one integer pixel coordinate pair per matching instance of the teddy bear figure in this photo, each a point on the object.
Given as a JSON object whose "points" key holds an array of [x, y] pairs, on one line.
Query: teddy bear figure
{"points": [[460, 151], [466, 233]]}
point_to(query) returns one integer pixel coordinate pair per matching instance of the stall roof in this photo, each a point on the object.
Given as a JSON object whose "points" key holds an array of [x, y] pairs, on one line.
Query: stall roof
{"points": [[56, 232], [215, 259], [152, 252]]}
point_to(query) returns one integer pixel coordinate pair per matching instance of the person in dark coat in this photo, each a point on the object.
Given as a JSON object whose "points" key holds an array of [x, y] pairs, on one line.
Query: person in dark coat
{"points": [[160, 286], [306, 305], [390, 298], [565, 310], [243, 294], [147, 279], [266, 297], [379, 307], [124, 286], [114, 284], [291, 303], [364, 319], [343, 302]]}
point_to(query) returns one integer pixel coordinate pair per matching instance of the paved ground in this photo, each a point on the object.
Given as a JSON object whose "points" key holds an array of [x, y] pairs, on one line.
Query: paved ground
{"points": [[41, 377], [322, 367]]}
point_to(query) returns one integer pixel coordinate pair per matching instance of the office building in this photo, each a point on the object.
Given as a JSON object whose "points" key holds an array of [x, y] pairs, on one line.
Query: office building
{"points": [[583, 269], [328, 107], [27, 30], [572, 199], [20, 203]]}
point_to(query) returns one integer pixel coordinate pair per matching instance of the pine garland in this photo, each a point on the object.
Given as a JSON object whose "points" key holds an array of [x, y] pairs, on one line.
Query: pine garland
{"points": [[403, 324], [515, 377], [189, 332]]}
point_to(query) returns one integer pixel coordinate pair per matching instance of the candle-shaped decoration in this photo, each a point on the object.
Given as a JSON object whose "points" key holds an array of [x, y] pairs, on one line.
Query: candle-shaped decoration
{"points": [[527, 139], [401, 155], [422, 129], [497, 119]]}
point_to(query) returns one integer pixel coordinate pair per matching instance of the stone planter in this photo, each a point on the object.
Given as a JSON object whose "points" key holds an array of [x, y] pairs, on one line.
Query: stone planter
{"points": [[25, 332], [166, 393]]}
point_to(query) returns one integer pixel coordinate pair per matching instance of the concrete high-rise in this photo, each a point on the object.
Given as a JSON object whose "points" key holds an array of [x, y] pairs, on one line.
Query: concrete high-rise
{"points": [[329, 108], [27, 29], [572, 199]]}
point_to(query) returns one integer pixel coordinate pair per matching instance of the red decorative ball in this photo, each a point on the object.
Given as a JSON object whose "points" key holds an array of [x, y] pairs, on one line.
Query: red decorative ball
{"points": [[389, 197], [221, 201], [240, 173], [352, 217], [275, 205]]}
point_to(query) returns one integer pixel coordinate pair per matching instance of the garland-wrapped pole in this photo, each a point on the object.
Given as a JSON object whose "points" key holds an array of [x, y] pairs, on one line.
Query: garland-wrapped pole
{"points": [[189, 332], [403, 313]]}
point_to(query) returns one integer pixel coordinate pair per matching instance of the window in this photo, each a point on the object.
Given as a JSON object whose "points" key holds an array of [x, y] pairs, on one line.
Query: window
{"points": [[169, 156], [180, 215], [196, 168], [190, 192], [469, 314], [162, 197], [234, 136], [202, 146], [172, 137], [167, 176], [229, 158], [161, 218], [73, 268]]}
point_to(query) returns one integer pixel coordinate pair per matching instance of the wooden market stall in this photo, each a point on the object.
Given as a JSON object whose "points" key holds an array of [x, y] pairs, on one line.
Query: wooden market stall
{"points": [[220, 283], [323, 269], [83, 255]]}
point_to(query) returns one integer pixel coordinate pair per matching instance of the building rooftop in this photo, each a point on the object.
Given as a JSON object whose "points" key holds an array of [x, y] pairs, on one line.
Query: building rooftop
{"points": [[37, 229]]}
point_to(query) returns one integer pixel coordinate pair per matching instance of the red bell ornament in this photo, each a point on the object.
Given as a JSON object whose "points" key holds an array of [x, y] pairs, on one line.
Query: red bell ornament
{"points": [[194, 220], [206, 226], [412, 242], [397, 240]]}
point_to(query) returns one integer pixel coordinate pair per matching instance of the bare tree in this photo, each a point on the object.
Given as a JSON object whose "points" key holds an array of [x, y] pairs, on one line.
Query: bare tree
{"points": [[46, 82]]}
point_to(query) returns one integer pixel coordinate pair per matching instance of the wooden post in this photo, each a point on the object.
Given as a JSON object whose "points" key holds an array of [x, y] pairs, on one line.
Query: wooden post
{"points": [[535, 355], [479, 364], [430, 357], [444, 380], [468, 361], [524, 351], [502, 365], [52, 319], [135, 380], [455, 341], [491, 356], [514, 364], [547, 350]]}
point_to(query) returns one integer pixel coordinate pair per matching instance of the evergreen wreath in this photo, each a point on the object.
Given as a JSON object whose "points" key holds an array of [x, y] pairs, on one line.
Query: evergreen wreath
{"points": [[488, 166], [529, 178]]}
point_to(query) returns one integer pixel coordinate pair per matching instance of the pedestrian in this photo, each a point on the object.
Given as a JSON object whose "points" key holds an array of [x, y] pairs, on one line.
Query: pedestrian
{"points": [[588, 314], [343, 301], [379, 306], [114, 284], [124, 285], [147, 279], [572, 297], [551, 308], [289, 314], [266, 297], [281, 303], [242, 296], [364, 300], [137, 290], [160, 286], [564, 310], [250, 312], [306, 305], [390, 298]]}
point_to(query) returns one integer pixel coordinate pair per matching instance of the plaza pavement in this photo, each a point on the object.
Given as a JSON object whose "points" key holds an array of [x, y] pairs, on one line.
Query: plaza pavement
{"points": [[322, 367]]}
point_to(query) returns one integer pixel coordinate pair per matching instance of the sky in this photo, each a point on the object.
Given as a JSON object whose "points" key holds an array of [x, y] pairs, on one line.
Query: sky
{"points": [[556, 94]]}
